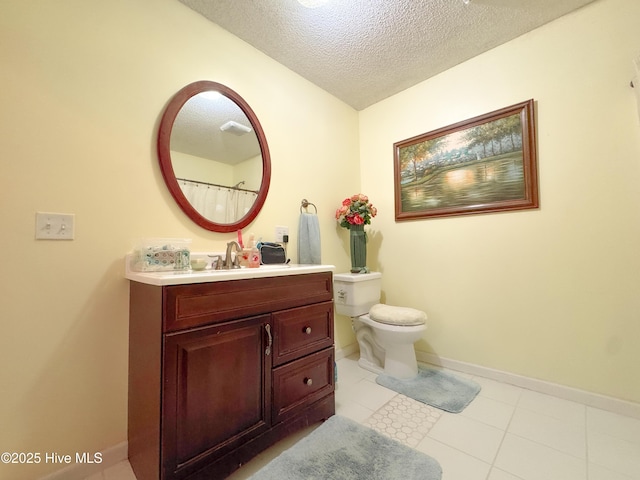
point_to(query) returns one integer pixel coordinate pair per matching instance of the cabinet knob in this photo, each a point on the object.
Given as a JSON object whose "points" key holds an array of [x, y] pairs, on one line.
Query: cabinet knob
{"points": [[307, 330], [308, 381]]}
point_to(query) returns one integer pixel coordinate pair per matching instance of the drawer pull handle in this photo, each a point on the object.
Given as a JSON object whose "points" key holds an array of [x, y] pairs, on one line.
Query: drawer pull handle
{"points": [[267, 351], [308, 381], [307, 330]]}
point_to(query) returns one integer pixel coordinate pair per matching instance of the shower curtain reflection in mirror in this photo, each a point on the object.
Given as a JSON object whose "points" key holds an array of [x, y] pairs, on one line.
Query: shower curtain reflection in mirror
{"points": [[218, 204]]}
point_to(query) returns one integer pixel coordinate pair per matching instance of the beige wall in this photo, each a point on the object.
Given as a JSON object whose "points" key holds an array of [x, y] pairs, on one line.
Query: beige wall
{"points": [[551, 293], [83, 85]]}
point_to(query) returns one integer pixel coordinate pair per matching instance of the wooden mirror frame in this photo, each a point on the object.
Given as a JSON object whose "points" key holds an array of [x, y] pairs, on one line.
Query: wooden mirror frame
{"points": [[166, 167]]}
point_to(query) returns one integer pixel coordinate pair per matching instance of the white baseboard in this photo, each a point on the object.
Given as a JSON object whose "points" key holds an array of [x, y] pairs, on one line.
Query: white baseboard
{"points": [[79, 471], [596, 400], [118, 453], [346, 351]]}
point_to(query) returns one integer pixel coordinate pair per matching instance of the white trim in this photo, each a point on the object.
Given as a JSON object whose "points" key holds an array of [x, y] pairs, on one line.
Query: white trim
{"points": [[118, 453], [591, 399], [79, 471], [346, 351]]}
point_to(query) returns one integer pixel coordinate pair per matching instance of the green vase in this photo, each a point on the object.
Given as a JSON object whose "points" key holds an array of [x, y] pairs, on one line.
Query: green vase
{"points": [[358, 244]]}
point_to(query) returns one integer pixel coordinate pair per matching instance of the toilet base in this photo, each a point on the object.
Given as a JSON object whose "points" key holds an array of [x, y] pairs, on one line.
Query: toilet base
{"points": [[400, 362], [369, 365], [387, 349]]}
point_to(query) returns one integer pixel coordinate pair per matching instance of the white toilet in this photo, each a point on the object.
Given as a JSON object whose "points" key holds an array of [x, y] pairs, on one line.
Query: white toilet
{"points": [[385, 334]]}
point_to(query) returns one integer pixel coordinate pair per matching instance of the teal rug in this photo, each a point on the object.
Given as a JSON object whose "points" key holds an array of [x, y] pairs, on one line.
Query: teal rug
{"points": [[436, 388], [341, 449]]}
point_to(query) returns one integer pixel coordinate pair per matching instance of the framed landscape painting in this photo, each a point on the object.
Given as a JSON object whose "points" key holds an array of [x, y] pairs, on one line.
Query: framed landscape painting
{"points": [[481, 165]]}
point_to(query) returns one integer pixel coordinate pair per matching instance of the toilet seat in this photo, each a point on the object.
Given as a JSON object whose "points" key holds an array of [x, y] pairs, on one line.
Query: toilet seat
{"points": [[400, 316]]}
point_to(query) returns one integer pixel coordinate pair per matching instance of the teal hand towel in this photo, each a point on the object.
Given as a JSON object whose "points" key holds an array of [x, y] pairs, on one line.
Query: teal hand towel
{"points": [[309, 239]]}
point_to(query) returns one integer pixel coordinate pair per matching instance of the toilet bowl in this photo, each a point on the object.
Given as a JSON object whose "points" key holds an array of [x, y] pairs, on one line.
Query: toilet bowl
{"points": [[385, 333], [387, 348]]}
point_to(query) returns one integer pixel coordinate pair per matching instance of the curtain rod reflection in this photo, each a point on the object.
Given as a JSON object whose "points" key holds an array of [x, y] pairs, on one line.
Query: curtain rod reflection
{"points": [[235, 187]]}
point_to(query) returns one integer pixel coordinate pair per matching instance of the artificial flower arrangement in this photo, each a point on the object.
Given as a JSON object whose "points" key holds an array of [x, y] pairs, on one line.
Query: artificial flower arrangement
{"points": [[355, 210]]}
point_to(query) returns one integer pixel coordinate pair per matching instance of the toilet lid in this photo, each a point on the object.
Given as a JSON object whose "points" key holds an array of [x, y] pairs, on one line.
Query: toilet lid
{"points": [[397, 315]]}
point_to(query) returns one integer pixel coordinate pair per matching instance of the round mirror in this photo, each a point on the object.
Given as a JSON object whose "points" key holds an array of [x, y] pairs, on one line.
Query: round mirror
{"points": [[214, 156]]}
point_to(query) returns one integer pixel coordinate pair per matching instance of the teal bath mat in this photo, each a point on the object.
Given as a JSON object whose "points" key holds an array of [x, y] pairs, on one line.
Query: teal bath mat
{"points": [[341, 449], [436, 388]]}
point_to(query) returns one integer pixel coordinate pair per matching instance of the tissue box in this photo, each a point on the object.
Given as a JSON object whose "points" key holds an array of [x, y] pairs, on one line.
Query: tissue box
{"points": [[161, 254]]}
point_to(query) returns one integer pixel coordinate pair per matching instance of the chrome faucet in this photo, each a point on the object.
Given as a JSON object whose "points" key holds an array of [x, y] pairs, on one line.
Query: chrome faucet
{"points": [[228, 263]]}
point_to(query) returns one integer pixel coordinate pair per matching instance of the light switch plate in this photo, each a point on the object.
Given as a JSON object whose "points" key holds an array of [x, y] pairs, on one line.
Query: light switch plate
{"points": [[54, 226]]}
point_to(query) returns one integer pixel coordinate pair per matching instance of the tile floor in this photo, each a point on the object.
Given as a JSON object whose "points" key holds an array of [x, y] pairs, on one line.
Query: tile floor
{"points": [[506, 433]]}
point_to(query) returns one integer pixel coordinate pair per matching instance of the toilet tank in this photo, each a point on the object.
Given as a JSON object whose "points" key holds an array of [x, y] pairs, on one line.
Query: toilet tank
{"points": [[355, 293]]}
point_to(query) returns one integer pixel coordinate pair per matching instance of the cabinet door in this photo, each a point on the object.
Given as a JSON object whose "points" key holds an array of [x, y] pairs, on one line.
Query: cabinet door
{"points": [[216, 393]]}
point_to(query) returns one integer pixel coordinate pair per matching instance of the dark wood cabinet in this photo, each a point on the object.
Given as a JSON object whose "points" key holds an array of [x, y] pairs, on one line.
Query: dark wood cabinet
{"points": [[220, 371], [216, 392]]}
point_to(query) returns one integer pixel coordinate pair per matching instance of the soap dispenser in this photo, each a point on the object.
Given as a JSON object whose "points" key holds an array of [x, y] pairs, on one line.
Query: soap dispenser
{"points": [[245, 252], [254, 255]]}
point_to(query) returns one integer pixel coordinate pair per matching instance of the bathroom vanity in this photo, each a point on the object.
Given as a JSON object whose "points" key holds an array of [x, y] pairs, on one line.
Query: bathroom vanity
{"points": [[223, 364]]}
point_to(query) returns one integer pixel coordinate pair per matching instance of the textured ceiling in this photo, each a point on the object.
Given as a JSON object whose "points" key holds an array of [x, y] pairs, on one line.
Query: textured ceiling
{"points": [[198, 130], [363, 51]]}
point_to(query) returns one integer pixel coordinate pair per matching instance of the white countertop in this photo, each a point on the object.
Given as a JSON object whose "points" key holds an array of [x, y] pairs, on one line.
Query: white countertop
{"points": [[204, 276]]}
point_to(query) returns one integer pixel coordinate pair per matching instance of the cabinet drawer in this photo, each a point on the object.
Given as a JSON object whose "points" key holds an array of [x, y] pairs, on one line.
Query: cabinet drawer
{"points": [[198, 304], [300, 331], [302, 382]]}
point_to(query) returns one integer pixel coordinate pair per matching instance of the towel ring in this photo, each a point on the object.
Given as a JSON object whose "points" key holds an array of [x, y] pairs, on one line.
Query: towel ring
{"points": [[305, 203]]}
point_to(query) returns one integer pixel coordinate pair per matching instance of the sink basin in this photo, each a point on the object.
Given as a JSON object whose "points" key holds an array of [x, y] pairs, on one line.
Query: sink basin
{"points": [[172, 277], [241, 270], [275, 267]]}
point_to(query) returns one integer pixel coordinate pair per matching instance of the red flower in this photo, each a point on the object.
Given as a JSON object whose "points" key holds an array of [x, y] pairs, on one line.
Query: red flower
{"points": [[355, 210]]}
